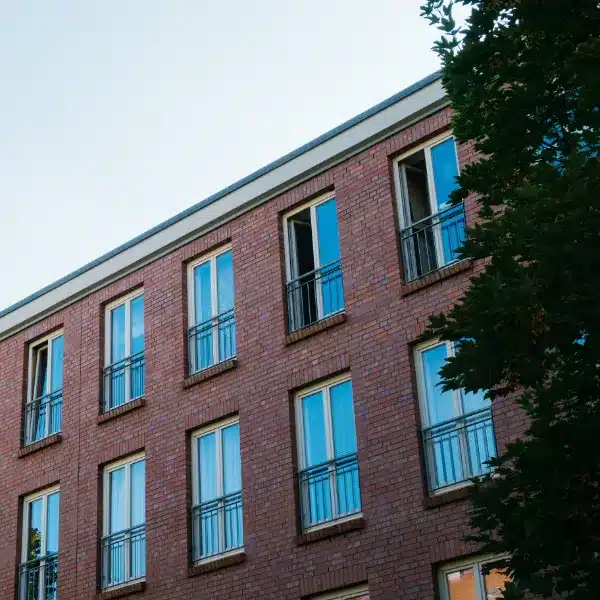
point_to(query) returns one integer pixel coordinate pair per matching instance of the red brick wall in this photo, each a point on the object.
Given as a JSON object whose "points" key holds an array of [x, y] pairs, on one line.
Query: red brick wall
{"points": [[401, 541]]}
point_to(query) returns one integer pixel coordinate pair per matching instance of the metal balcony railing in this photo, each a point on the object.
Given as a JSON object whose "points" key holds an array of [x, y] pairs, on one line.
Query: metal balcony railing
{"points": [[43, 417], [211, 342], [329, 491], [314, 296], [217, 527], [432, 242], [457, 450], [123, 556], [38, 578], [124, 381]]}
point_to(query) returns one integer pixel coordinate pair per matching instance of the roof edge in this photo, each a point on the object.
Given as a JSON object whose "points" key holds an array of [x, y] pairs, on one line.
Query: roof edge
{"points": [[230, 188]]}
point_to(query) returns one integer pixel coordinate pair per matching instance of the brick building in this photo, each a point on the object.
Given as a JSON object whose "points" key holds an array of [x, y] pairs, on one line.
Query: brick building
{"points": [[235, 404]]}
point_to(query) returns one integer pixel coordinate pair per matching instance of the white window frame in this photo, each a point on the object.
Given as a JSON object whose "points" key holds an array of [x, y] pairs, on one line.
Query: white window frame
{"points": [[457, 400], [196, 435], [210, 257], [476, 563], [123, 300], [344, 594], [31, 379], [325, 387], [108, 469], [402, 191], [291, 259], [27, 501]]}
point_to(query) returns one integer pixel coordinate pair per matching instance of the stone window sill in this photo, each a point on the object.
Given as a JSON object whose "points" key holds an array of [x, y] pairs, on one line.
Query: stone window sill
{"points": [[205, 374], [55, 438], [330, 530], [123, 590], [447, 497], [418, 284], [305, 332], [121, 410], [217, 564]]}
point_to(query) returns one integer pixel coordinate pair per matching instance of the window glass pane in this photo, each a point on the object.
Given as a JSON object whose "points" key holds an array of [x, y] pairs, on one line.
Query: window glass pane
{"points": [[34, 529], [202, 297], [462, 585], [118, 502], [117, 334], [52, 523], [342, 415], [56, 379], [315, 448], [207, 459], [138, 493], [232, 468], [494, 583], [225, 282], [445, 170], [40, 369], [137, 324], [327, 232], [440, 404]]}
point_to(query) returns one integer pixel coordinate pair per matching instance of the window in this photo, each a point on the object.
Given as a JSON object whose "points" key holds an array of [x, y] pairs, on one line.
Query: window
{"points": [[124, 375], [43, 411], [472, 580], [355, 593], [313, 267], [217, 515], [431, 229], [328, 477], [458, 431], [123, 544], [38, 573], [211, 336]]}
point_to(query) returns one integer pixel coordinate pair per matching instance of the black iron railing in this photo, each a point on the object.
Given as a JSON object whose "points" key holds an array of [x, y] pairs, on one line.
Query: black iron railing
{"points": [[124, 381], [432, 242], [217, 526], [329, 491], [211, 342], [38, 578], [43, 417], [314, 296], [123, 556], [457, 450]]}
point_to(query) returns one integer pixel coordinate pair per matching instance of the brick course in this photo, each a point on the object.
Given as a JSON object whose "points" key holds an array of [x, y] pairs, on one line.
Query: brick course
{"points": [[402, 537]]}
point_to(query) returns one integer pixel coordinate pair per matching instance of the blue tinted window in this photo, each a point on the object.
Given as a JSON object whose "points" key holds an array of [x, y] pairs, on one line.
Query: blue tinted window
{"points": [[232, 468], [313, 417], [327, 232], [225, 281], [52, 519], [137, 324], [138, 493], [56, 380], [117, 330], [445, 170], [342, 416], [202, 294], [207, 459], [439, 404]]}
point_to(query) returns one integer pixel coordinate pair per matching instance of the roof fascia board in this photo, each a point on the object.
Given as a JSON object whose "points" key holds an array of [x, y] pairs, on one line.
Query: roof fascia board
{"points": [[381, 121]]}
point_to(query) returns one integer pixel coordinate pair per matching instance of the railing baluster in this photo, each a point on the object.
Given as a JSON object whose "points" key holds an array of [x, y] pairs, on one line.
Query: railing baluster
{"points": [[37, 577], [217, 526], [420, 250], [42, 417], [116, 375], [200, 341], [324, 493], [445, 453], [314, 296], [123, 556]]}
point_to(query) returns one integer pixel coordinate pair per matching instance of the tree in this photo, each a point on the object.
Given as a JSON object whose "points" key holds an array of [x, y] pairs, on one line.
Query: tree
{"points": [[523, 77]]}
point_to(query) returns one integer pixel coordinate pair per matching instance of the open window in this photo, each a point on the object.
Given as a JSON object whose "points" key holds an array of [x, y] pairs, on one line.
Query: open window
{"points": [[431, 229], [313, 267], [43, 411]]}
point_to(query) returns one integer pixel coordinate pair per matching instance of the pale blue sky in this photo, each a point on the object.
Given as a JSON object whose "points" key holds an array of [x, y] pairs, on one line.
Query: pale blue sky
{"points": [[117, 114]]}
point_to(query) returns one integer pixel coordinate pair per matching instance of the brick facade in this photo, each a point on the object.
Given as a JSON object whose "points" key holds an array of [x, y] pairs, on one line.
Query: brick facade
{"points": [[401, 538]]}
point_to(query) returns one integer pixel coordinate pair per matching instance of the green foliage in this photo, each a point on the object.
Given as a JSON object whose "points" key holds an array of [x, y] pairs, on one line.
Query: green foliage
{"points": [[524, 80]]}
